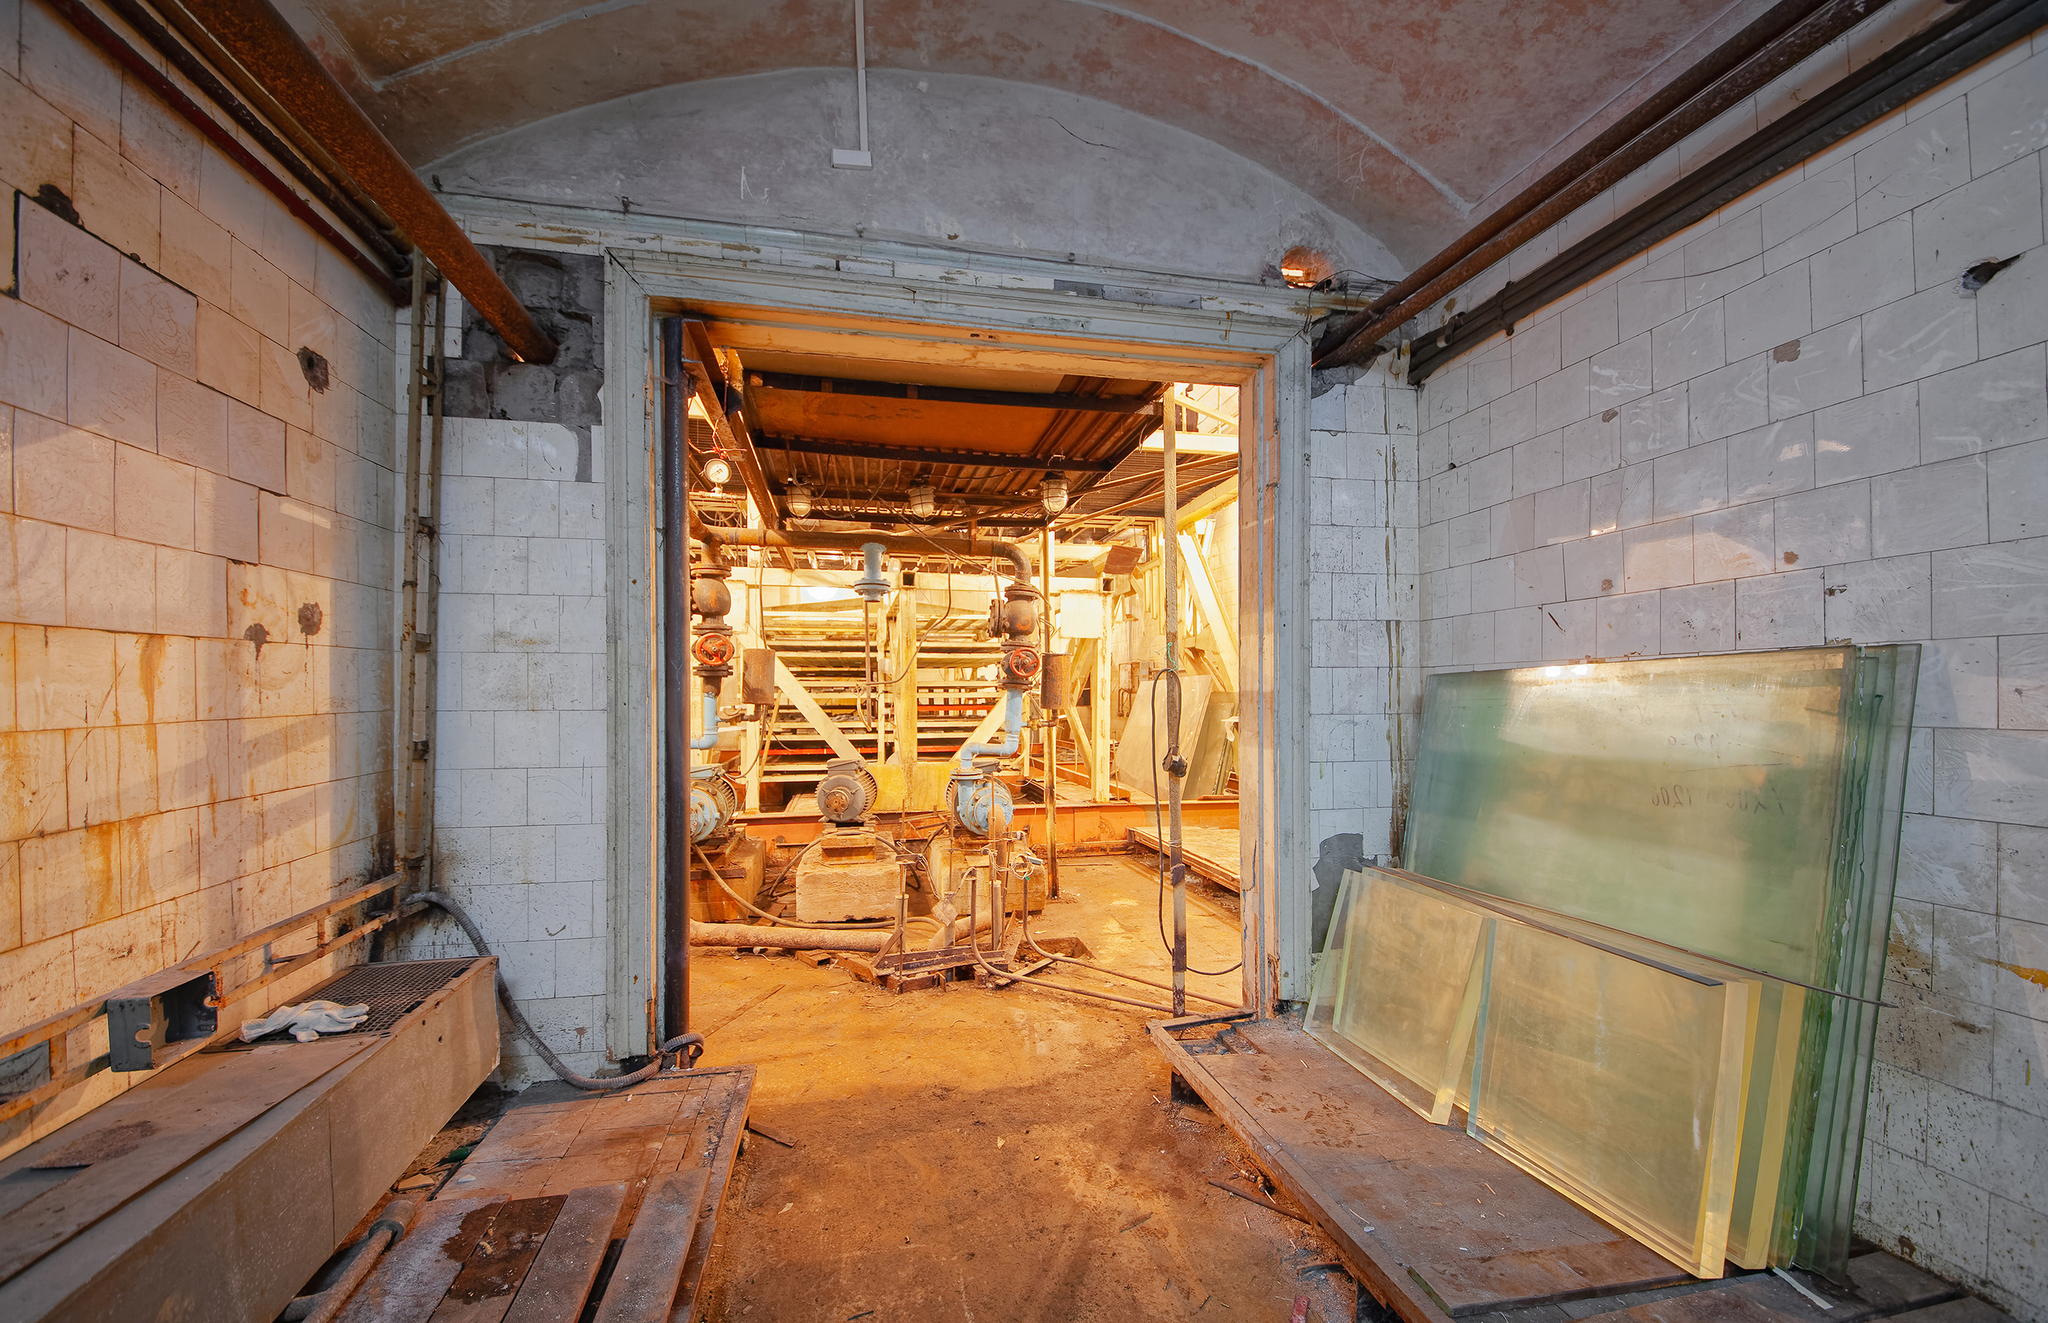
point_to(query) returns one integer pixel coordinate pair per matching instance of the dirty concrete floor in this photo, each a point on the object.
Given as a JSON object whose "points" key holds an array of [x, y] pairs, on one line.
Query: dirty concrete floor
{"points": [[980, 1155]]}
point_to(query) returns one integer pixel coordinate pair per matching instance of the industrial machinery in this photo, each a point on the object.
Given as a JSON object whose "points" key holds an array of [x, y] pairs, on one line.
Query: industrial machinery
{"points": [[932, 885], [726, 858]]}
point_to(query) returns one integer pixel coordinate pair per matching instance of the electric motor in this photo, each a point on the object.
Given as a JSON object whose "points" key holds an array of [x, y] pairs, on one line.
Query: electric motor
{"points": [[714, 800], [847, 793]]}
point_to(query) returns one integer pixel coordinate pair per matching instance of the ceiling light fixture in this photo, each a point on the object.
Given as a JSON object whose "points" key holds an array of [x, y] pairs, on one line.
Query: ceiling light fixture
{"points": [[923, 500], [716, 471], [1052, 493], [798, 500]]}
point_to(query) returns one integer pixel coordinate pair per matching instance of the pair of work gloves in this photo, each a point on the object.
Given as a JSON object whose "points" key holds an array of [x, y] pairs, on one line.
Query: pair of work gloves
{"points": [[307, 1020]]}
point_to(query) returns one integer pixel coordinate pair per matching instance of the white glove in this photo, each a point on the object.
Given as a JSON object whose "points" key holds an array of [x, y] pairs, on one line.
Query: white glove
{"points": [[307, 1020]]}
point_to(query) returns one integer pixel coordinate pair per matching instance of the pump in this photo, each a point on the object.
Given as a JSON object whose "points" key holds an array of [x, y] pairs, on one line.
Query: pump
{"points": [[976, 799]]}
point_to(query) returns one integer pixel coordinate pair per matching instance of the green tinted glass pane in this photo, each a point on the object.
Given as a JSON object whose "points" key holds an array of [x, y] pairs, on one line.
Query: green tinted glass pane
{"points": [[1760, 1222], [1399, 988], [1618, 1082], [1693, 800]]}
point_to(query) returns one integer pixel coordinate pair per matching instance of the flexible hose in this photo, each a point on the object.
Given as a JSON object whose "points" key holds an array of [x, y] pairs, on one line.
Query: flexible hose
{"points": [[328, 1304], [687, 1047]]}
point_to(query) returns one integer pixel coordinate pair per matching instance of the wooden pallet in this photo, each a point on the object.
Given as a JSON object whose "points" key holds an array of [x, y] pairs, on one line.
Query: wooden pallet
{"points": [[611, 1198], [1439, 1227]]}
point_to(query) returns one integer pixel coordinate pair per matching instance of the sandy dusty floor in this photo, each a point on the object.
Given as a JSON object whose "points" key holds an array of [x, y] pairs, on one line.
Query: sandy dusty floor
{"points": [[987, 1155]]}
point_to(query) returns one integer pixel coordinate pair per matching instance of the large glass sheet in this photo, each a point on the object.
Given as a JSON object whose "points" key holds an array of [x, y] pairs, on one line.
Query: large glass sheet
{"points": [[1398, 988], [1618, 1081], [1760, 1223], [1692, 799], [1743, 807], [1845, 1028]]}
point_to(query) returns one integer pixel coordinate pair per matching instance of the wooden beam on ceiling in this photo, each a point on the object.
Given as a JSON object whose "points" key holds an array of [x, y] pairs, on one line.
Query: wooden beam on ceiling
{"points": [[917, 455], [889, 390]]}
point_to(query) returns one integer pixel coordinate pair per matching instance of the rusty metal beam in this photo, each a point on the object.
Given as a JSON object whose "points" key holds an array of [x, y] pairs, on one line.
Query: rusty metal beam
{"points": [[1734, 70], [257, 37], [804, 445], [139, 67], [1014, 399]]}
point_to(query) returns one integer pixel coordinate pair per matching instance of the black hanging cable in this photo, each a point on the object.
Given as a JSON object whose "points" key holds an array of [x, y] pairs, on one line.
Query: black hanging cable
{"points": [[1158, 827]]}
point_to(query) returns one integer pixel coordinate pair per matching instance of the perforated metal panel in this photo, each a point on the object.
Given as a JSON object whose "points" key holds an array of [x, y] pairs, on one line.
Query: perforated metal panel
{"points": [[391, 990]]}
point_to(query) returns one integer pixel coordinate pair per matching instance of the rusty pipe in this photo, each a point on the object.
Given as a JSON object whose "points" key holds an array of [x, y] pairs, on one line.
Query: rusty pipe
{"points": [[714, 539], [1774, 43], [259, 39]]}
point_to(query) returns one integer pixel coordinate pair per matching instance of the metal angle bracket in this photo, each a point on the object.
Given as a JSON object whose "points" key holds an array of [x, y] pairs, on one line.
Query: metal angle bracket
{"points": [[150, 1015]]}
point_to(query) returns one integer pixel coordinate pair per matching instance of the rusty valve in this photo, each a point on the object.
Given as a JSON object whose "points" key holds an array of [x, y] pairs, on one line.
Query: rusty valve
{"points": [[1020, 665], [713, 650]]}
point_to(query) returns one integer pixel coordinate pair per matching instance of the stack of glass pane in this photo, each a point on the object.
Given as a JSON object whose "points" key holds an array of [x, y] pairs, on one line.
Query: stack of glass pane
{"points": [[1733, 817], [1619, 1076]]}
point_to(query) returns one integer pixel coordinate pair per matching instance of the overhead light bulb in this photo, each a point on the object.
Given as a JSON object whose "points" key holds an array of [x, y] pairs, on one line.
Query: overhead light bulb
{"points": [[1052, 493], [798, 500], [923, 500], [716, 471]]}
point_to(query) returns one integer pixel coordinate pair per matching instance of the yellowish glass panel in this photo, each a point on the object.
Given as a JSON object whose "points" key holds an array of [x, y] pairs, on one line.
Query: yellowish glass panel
{"points": [[1619, 1082], [1398, 990]]}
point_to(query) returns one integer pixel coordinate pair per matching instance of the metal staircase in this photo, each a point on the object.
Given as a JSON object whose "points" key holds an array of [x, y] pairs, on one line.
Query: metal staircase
{"points": [[821, 644]]}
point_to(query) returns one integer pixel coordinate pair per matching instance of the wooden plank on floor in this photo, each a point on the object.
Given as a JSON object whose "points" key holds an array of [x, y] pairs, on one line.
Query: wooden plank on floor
{"points": [[1758, 1298], [558, 1284], [409, 1281], [1551, 1275], [1441, 1226], [166, 1123], [1210, 852], [482, 1291], [650, 1267], [722, 1125], [1368, 1261], [1894, 1285], [1969, 1309]]}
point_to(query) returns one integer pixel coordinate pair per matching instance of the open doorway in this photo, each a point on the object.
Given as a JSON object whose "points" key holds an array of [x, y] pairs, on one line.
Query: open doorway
{"points": [[970, 623]]}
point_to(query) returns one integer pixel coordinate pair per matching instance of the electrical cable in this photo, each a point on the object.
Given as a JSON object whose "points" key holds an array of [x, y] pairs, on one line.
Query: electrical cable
{"points": [[1159, 827], [687, 1047]]}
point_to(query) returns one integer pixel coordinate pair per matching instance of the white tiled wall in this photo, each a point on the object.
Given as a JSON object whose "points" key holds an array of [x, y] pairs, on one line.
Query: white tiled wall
{"points": [[519, 812], [1362, 561], [195, 562], [1791, 425]]}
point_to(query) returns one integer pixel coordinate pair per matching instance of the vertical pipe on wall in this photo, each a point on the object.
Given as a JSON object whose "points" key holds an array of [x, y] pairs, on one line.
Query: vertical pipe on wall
{"points": [[1176, 766], [427, 654], [675, 664], [860, 67], [1051, 718], [405, 729]]}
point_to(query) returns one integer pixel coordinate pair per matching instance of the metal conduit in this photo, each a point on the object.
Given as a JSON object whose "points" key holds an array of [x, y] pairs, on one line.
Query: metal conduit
{"points": [[257, 37], [1737, 69]]}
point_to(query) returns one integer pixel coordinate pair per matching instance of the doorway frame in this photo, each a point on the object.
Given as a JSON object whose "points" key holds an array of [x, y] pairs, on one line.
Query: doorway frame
{"points": [[1159, 325]]}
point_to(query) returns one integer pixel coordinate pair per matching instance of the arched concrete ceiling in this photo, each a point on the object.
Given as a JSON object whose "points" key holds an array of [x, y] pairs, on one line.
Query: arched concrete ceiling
{"points": [[1402, 116]]}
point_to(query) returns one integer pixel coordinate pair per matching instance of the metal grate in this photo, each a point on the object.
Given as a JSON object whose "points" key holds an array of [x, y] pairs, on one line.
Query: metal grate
{"points": [[392, 991]]}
